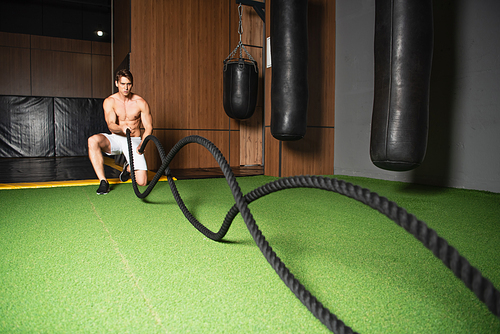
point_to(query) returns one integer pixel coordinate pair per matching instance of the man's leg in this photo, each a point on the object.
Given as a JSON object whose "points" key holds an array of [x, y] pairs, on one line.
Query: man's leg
{"points": [[97, 144], [141, 177], [141, 174]]}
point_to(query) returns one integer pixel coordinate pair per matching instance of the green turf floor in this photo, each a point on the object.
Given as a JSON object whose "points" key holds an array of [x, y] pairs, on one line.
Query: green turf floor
{"points": [[75, 262]]}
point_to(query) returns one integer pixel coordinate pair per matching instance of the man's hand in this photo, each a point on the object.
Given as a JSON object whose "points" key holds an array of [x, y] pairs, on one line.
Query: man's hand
{"points": [[138, 147], [124, 129]]}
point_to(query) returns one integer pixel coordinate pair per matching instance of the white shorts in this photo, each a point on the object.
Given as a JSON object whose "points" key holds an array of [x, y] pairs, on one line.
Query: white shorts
{"points": [[118, 145]]}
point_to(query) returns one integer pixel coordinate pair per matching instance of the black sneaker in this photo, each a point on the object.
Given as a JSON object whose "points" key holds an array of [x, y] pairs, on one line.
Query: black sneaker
{"points": [[103, 188], [125, 175]]}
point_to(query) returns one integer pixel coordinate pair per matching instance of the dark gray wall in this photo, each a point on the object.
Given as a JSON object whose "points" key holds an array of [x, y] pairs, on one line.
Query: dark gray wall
{"points": [[464, 131], [74, 19]]}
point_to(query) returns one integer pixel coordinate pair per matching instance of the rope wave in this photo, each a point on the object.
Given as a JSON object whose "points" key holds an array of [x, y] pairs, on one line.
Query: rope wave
{"points": [[471, 276]]}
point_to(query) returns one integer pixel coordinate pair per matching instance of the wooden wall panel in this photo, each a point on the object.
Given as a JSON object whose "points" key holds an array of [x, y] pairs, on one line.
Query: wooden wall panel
{"points": [[272, 154], [14, 40], [61, 74], [191, 155], [257, 55], [234, 149], [267, 97], [121, 22], [272, 161], [60, 44], [177, 54], [101, 76], [312, 155], [321, 64], [56, 67], [251, 139], [253, 26], [101, 48], [251, 129], [15, 71], [14, 64], [234, 124], [178, 48]]}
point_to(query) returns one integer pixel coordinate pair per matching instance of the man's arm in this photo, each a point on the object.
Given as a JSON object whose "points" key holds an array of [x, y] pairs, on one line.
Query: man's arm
{"points": [[110, 117], [147, 121]]}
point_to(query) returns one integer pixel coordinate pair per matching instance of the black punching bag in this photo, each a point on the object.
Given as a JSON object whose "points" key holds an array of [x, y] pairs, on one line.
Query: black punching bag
{"points": [[289, 51], [240, 81], [403, 58]]}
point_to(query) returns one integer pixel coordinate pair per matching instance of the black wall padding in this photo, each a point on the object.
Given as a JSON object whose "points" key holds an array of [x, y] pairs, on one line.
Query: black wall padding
{"points": [[47, 127], [240, 80], [289, 53], [26, 127], [75, 121], [403, 58]]}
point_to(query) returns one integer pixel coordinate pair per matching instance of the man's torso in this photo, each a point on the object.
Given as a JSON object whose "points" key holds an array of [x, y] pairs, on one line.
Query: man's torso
{"points": [[128, 113]]}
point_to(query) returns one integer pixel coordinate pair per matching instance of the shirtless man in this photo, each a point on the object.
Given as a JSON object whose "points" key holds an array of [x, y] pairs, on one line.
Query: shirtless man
{"points": [[123, 110]]}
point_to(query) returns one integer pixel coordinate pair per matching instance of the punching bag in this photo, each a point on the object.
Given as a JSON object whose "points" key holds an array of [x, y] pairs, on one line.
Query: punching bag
{"points": [[289, 52], [240, 84], [403, 59]]}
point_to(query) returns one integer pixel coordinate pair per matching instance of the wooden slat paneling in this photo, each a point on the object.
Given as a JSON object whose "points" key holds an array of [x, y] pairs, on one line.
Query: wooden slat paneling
{"points": [[272, 158], [256, 53], [234, 156], [61, 74], [267, 96], [177, 62], [101, 48], [321, 64], [101, 76], [234, 124], [251, 128], [191, 155], [58, 67], [60, 44], [121, 19], [14, 71], [312, 155], [251, 139], [253, 26], [14, 40], [178, 48]]}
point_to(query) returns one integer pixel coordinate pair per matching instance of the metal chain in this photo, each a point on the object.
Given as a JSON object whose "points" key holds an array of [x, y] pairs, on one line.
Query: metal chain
{"points": [[240, 44], [240, 27]]}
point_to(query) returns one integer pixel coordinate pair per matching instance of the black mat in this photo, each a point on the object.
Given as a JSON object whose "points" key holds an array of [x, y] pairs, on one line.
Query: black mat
{"points": [[17, 170]]}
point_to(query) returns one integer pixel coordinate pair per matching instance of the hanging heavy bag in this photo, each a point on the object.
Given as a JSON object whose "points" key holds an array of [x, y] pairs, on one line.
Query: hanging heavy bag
{"points": [[289, 52], [240, 83], [403, 58]]}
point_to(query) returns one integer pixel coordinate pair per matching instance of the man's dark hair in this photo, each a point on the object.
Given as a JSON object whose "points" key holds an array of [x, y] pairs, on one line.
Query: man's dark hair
{"points": [[126, 74]]}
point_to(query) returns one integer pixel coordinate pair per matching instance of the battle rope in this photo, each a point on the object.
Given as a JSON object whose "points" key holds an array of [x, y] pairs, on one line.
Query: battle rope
{"points": [[472, 277]]}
